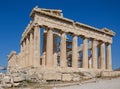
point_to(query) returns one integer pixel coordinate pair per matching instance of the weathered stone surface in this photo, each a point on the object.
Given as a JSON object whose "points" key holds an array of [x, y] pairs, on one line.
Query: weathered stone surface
{"points": [[33, 77], [52, 76], [16, 84], [35, 68], [76, 77], [110, 74], [7, 79], [8, 85], [18, 79], [66, 77]]}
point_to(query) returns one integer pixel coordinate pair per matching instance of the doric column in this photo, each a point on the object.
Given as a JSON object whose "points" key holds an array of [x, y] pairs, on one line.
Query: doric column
{"points": [[55, 50], [36, 46], [44, 49], [27, 52], [94, 56], [49, 48], [21, 58], [102, 56], [63, 60], [31, 50], [85, 53], [108, 56], [74, 52]]}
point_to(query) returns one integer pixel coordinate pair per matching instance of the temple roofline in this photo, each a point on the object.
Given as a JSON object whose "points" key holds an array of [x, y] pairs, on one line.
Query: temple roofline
{"points": [[39, 10]]}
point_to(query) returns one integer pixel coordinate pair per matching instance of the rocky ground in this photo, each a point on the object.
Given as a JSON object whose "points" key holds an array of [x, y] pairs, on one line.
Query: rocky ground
{"points": [[100, 84], [113, 83]]}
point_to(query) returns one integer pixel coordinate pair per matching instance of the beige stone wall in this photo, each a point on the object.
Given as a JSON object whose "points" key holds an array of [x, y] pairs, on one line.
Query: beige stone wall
{"points": [[110, 74], [12, 59]]}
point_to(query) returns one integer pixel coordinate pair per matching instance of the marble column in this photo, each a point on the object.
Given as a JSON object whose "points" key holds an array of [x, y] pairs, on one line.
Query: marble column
{"points": [[108, 56], [55, 50], [74, 52], [23, 59], [31, 50], [102, 56], [27, 52], [36, 46], [85, 53], [63, 60], [21, 53], [94, 54], [49, 48], [44, 49]]}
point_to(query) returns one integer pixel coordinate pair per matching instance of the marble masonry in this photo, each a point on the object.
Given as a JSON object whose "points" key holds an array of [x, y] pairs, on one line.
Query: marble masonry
{"points": [[51, 41]]}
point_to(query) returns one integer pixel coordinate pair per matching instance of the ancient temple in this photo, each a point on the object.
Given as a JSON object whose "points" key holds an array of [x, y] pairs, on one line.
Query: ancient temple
{"points": [[57, 50]]}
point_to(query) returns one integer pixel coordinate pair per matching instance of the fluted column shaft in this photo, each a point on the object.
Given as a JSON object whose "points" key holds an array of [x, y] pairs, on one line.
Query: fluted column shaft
{"points": [[63, 60], [102, 56], [31, 50], [85, 53], [109, 60], [49, 48], [27, 52], [74, 52], [94, 56], [36, 46], [23, 53]]}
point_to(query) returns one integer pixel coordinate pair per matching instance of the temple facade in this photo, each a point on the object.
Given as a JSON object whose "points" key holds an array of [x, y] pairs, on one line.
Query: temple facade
{"points": [[59, 39]]}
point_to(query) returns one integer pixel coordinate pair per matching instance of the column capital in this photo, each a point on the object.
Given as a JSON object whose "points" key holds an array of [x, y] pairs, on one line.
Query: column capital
{"points": [[73, 35], [100, 42], [84, 37], [48, 28], [93, 39], [36, 25], [108, 43]]}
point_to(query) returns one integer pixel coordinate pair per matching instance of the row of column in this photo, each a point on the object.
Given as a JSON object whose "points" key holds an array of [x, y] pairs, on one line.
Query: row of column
{"points": [[30, 49], [101, 55], [51, 57]]}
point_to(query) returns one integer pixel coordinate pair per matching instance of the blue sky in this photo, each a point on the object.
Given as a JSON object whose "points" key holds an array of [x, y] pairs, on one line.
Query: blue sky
{"points": [[14, 17]]}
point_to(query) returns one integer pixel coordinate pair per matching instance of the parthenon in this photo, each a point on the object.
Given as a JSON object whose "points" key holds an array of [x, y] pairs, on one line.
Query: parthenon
{"points": [[51, 40]]}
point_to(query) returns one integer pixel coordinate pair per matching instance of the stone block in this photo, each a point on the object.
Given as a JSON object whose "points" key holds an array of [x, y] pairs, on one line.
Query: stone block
{"points": [[66, 77], [16, 84], [18, 79], [52, 76], [7, 79], [33, 78], [8, 85], [76, 77]]}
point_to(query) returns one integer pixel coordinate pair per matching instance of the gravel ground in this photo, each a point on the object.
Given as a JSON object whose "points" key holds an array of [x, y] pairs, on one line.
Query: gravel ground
{"points": [[102, 84]]}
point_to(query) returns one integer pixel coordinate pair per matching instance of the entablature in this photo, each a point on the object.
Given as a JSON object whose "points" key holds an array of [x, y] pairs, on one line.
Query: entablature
{"points": [[42, 17]]}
